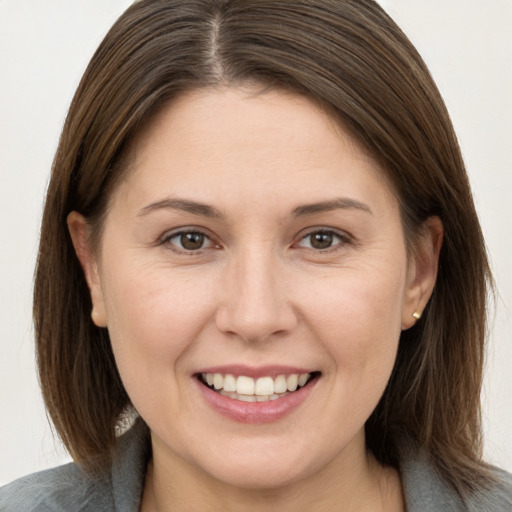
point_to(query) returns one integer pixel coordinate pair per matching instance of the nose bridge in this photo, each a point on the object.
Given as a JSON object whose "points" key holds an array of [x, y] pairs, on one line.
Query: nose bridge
{"points": [[257, 304]]}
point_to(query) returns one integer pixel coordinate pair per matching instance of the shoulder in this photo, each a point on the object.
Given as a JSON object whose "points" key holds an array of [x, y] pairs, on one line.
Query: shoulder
{"points": [[57, 490], [426, 491], [497, 498], [68, 487]]}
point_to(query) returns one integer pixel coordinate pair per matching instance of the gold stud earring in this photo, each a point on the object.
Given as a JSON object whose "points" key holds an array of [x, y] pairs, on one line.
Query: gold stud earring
{"points": [[416, 315]]}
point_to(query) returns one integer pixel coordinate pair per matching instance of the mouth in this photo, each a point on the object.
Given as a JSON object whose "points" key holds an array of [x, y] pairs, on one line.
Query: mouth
{"points": [[263, 389]]}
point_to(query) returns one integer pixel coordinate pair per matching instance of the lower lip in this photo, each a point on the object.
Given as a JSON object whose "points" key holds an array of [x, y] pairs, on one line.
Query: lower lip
{"points": [[256, 412]]}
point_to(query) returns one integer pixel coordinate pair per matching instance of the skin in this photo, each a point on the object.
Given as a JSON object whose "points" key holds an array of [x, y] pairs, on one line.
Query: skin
{"points": [[256, 293]]}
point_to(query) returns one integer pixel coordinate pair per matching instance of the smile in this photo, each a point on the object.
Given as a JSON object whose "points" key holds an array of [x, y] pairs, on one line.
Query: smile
{"points": [[262, 389]]}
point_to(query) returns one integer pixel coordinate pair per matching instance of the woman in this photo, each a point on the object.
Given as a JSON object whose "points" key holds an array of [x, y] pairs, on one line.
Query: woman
{"points": [[259, 235]]}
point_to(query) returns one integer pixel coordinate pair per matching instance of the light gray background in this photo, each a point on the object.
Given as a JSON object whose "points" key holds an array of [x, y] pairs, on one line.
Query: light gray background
{"points": [[44, 48]]}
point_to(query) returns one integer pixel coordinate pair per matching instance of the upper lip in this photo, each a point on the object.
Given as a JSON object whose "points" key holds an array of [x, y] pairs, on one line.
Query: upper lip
{"points": [[255, 372]]}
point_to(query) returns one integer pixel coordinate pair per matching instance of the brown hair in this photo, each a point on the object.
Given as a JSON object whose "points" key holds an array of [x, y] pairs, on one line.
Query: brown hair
{"points": [[349, 56]]}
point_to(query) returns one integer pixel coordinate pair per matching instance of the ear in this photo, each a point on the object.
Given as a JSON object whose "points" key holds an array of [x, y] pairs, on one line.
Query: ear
{"points": [[79, 229], [422, 270]]}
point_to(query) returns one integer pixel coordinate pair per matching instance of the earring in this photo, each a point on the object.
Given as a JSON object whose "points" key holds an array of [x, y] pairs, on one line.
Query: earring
{"points": [[416, 315]]}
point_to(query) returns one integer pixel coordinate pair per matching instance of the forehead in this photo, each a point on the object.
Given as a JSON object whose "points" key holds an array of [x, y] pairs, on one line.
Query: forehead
{"points": [[244, 114], [227, 141]]}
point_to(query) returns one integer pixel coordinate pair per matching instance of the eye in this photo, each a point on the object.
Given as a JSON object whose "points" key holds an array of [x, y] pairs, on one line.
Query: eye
{"points": [[322, 239], [188, 241]]}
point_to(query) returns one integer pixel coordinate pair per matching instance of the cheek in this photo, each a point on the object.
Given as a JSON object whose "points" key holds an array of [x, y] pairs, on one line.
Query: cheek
{"points": [[357, 315], [154, 315], [154, 320]]}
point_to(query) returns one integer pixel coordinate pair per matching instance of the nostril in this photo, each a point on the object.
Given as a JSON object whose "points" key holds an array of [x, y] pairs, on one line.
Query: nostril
{"points": [[253, 324]]}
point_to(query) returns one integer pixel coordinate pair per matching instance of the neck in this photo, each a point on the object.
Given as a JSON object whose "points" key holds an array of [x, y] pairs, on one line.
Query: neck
{"points": [[350, 483]]}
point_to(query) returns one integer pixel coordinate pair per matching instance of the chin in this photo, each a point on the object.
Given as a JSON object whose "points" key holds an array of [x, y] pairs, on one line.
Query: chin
{"points": [[264, 465], [257, 476]]}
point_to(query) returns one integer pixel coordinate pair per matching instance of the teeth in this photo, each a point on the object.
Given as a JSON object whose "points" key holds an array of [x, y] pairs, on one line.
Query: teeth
{"points": [[218, 381], [247, 398], [229, 383], [280, 384], [292, 381], [303, 379], [249, 390], [264, 386], [245, 385]]}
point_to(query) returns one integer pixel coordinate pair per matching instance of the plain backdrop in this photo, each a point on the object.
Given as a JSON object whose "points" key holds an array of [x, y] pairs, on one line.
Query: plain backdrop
{"points": [[44, 48]]}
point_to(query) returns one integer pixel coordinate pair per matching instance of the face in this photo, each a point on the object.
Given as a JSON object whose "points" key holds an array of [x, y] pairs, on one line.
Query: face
{"points": [[253, 247]]}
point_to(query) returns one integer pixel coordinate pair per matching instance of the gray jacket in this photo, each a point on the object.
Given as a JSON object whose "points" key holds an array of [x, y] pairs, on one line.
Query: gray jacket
{"points": [[67, 489]]}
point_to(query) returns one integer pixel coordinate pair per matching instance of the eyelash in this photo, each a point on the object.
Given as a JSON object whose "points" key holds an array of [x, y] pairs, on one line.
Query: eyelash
{"points": [[167, 240], [342, 240]]}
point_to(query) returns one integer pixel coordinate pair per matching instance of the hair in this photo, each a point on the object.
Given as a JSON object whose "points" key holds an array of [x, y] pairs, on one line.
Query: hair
{"points": [[347, 55]]}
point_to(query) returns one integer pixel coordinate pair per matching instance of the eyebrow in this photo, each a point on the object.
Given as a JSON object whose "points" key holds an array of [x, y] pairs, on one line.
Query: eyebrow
{"points": [[193, 207], [326, 206], [206, 210]]}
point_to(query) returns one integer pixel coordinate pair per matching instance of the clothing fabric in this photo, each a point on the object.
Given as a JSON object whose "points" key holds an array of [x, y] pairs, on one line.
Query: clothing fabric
{"points": [[68, 489]]}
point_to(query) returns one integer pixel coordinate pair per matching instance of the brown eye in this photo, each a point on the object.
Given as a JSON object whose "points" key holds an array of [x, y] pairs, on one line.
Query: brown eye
{"points": [[188, 241], [192, 241], [321, 240]]}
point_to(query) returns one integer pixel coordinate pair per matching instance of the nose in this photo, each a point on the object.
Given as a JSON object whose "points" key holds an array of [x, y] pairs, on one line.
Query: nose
{"points": [[256, 305]]}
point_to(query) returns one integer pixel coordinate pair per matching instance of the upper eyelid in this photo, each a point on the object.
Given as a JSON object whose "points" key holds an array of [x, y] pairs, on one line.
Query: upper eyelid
{"points": [[324, 229], [167, 235], [345, 239], [185, 229]]}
